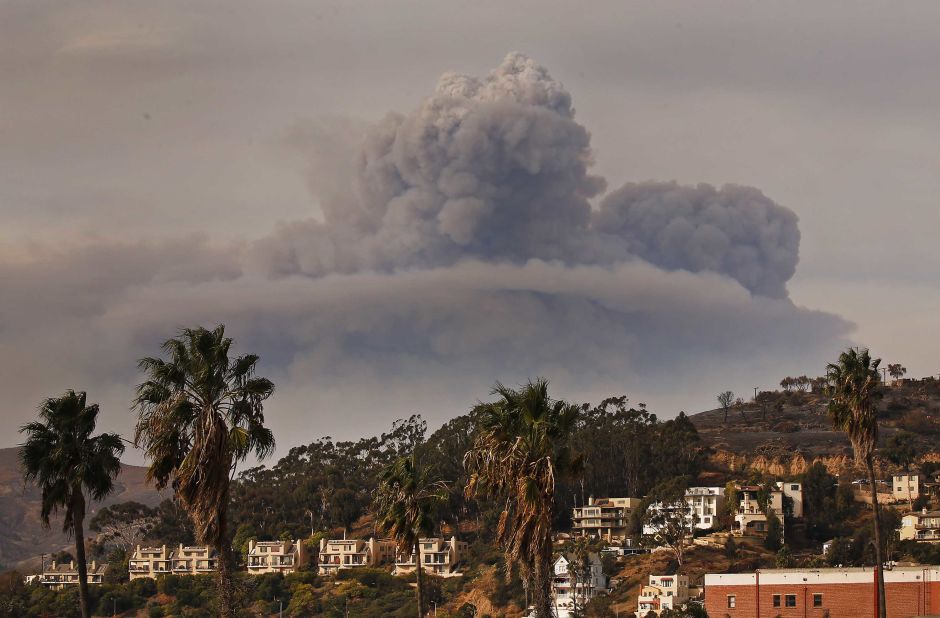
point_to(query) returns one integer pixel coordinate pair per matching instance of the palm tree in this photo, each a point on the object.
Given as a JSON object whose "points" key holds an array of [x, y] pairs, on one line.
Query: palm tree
{"points": [[520, 452], [854, 385], [200, 414], [405, 505], [66, 461]]}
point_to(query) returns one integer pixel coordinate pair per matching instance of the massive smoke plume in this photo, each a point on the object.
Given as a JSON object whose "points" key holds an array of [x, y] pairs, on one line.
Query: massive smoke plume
{"points": [[457, 245], [497, 169]]}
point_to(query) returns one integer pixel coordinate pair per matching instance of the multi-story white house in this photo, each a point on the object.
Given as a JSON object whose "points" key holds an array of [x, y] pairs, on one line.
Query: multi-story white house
{"points": [[750, 517], [276, 556], [570, 588], [58, 576], [438, 556], [905, 487], [336, 554], [920, 526], [663, 592], [703, 504], [183, 560], [605, 518]]}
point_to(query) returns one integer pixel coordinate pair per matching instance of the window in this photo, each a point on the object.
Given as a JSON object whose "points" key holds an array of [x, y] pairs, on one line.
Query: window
{"points": [[817, 600], [732, 601], [795, 487], [776, 600], [791, 600]]}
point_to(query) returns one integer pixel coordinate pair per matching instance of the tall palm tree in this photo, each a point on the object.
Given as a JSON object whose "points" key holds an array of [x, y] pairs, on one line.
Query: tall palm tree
{"points": [[520, 452], [405, 504], [66, 461], [200, 414], [854, 385]]}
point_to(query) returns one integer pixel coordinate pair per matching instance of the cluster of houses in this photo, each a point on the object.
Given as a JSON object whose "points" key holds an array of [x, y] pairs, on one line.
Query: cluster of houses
{"points": [[438, 556], [578, 580]]}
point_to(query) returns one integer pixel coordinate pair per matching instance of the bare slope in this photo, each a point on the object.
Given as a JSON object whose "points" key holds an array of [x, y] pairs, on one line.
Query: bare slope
{"points": [[21, 533]]}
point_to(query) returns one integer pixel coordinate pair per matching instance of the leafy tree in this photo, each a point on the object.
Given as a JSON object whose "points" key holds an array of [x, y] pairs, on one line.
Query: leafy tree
{"points": [[726, 400], [521, 450], [65, 460], [405, 503], [345, 507], [901, 450], [854, 386], [200, 414], [774, 539], [896, 370], [671, 517], [784, 558], [819, 501], [127, 523]]}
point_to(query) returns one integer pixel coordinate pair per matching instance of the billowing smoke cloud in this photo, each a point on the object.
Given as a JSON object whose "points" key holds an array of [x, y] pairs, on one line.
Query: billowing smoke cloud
{"points": [[457, 246], [736, 231], [497, 169]]}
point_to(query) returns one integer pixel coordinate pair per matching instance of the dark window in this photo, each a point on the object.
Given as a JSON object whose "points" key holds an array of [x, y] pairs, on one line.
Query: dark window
{"points": [[817, 600], [732, 601], [776, 600], [791, 600]]}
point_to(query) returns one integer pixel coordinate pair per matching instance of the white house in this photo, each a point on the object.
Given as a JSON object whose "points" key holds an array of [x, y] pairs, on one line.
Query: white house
{"points": [[750, 517], [703, 503], [663, 592], [438, 556], [570, 588], [276, 556]]}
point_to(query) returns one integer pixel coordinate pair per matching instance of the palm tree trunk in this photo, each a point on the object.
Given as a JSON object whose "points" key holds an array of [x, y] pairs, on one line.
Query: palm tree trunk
{"points": [[78, 517], [223, 548], [542, 595], [879, 547], [419, 586]]}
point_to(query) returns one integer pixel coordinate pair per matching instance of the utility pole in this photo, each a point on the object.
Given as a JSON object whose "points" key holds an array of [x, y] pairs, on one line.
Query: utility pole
{"points": [[755, 393]]}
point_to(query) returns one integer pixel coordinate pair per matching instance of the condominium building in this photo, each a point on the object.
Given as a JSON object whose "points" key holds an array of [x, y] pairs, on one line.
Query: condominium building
{"points": [[663, 592], [182, 560], [703, 505], [570, 587], [751, 517], [276, 556], [905, 487], [836, 593], [438, 556], [336, 554], [923, 525], [61, 575], [606, 518]]}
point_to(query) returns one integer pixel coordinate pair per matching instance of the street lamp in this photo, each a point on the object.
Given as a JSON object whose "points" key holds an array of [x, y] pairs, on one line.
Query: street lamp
{"points": [[280, 611], [434, 604]]}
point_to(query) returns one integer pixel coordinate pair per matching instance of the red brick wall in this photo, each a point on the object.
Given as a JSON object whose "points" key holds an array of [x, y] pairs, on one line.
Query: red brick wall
{"points": [[905, 600]]}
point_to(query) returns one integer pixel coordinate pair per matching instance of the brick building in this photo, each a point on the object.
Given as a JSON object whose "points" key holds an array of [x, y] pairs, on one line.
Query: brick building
{"points": [[814, 593]]}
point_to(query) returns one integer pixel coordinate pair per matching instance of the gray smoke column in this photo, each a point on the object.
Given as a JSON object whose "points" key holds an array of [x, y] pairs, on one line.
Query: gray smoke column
{"points": [[496, 169], [492, 168], [736, 231]]}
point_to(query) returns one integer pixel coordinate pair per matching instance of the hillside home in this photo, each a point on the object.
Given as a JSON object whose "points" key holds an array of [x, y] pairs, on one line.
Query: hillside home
{"points": [[703, 502], [605, 518], [58, 576], [438, 556], [276, 556], [183, 560], [750, 517], [905, 487], [920, 526], [336, 554], [663, 592], [570, 588]]}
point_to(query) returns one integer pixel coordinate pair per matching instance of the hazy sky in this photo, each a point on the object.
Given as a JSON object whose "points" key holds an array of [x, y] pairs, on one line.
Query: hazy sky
{"points": [[170, 164]]}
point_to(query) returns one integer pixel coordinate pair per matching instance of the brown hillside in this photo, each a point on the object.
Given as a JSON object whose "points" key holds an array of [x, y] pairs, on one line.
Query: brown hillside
{"points": [[787, 431], [21, 533]]}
